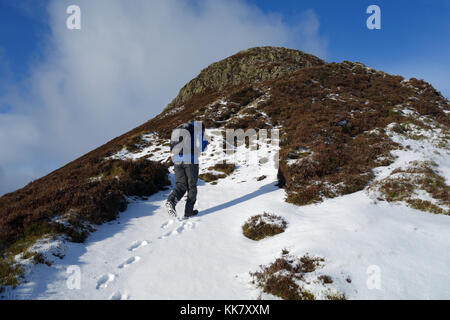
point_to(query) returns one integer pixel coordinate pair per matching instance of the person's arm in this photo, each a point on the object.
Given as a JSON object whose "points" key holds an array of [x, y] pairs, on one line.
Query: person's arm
{"points": [[204, 143]]}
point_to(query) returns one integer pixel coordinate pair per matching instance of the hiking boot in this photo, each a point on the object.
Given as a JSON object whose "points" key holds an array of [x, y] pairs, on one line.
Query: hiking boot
{"points": [[170, 206], [190, 214]]}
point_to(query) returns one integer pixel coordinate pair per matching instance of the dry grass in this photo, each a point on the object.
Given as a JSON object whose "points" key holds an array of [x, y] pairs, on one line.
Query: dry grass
{"points": [[285, 278], [245, 96], [404, 185], [325, 279], [135, 143], [10, 274], [335, 130], [211, 177], [29, 213], [263, 225], [226, 168], [30, 210]]}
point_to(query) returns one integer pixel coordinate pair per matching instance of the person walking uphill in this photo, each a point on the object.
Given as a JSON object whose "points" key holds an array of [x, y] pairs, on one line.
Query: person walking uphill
{"points": [[186, 144]]}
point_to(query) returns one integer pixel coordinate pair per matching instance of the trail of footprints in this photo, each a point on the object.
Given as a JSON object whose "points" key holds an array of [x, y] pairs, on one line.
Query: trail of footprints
{"points": [[106, 279]]}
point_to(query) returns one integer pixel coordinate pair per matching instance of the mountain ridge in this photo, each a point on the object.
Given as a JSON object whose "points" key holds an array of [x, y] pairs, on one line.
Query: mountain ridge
{"points": [[336, 119]]}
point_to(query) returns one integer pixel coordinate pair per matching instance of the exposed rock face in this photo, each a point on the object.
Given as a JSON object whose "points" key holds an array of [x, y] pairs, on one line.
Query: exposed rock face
{"points": [[248, 66]]}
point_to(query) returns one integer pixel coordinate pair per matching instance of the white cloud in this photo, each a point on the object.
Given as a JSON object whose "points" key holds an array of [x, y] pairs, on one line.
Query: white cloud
{"points": [[307, 31], [122, 68]]}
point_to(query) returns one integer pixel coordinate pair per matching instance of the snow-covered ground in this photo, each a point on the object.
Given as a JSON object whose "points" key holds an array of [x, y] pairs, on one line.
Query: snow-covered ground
{"points": [[147, 255]]}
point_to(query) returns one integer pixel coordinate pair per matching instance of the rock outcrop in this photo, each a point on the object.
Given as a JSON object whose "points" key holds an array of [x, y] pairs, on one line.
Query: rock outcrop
{"points": [[248, 66]]}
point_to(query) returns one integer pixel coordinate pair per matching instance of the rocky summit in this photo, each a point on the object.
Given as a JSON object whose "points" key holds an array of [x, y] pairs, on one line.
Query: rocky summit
{"points": [[248, 66]]}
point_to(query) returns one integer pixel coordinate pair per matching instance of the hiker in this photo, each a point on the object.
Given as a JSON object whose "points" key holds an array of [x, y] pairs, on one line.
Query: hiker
{"points": [[186, 144]]}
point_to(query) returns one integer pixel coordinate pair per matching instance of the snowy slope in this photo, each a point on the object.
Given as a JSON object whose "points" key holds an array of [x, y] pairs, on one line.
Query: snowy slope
{"points": [[146, 255]]}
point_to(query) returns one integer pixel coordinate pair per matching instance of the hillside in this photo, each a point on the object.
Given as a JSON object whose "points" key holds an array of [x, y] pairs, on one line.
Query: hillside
{"points": [[346, 131]]}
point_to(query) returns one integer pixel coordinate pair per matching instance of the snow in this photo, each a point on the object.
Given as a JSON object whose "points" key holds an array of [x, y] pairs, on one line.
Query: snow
{"points": [[144, 254], [172, 112], [426, 149], [155, 151]]}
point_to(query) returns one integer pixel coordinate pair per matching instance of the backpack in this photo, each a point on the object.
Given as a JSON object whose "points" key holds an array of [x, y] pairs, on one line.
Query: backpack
{"points": [[185, 126]]}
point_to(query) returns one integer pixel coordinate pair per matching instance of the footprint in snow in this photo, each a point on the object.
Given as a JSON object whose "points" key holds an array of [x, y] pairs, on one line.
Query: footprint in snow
{"points": [[119, 296], [138, 244], [165, 225], [167, 234], [185, 225], [129, 261], [104, 280]]}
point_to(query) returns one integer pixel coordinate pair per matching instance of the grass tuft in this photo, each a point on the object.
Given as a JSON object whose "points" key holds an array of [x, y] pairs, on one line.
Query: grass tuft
{"points": [[406, 184], [210, 177], [286, 278], [225, 168], [263, 225]]}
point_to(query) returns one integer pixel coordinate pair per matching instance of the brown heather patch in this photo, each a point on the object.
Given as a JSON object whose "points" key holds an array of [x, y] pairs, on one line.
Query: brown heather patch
{"points": [[342, 153], [325, 279], [425, 205], [336, 296], [263, 225], [94, 200], [285, 278], [27, 214], [135, 143], [211, 177], [226, 168], [10, 274], [402, 184], [245, 96]]}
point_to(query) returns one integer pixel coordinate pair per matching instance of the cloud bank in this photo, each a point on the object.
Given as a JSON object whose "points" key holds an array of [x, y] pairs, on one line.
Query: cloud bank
{"points": [[126, 63]]}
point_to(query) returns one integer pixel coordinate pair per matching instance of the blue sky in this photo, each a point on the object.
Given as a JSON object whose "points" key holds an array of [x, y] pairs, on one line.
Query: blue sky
{"points": [[63, 93], [21, 33]]}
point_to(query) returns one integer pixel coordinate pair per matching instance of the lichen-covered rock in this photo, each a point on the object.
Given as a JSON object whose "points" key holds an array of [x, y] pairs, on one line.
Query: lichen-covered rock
{"points": [[248, 66]]}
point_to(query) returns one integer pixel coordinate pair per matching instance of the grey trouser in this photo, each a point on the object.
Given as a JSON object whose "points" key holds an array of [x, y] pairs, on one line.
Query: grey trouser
{"points": [[186, 176]]}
